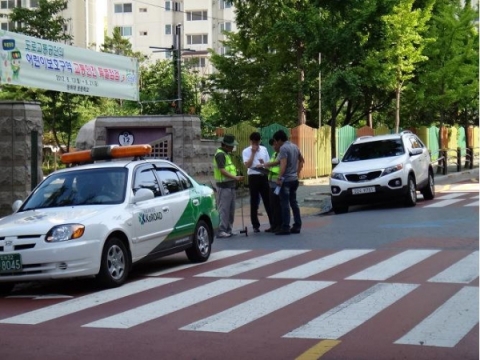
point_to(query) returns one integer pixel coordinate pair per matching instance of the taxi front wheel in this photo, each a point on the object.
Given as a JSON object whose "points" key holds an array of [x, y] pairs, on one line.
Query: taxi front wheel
{"points": [[115, 264], [202, 243]]}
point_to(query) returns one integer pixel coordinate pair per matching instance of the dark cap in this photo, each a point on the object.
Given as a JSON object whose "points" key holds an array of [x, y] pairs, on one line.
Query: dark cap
{"points": [[229, 140]]}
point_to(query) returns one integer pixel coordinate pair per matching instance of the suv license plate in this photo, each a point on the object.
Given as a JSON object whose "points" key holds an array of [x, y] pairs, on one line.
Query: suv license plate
{"points": [[365, 190], [10, 263]]}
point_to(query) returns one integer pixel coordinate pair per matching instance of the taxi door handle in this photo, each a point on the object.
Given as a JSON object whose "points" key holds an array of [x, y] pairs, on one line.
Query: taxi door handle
{"points": [[195, 202], [166, 209]]}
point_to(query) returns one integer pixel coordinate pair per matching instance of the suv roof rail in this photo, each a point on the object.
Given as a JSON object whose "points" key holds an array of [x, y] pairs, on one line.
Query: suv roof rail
{"points": [[363, 137], [406, 132]]}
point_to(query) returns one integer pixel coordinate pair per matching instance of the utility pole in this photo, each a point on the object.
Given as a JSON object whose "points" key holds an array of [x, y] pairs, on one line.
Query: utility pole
{"points": [[178, 50]]}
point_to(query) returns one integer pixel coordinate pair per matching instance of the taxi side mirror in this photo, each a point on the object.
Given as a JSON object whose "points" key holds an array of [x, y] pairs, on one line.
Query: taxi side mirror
{"points": [[16, 205], [142, 195]]}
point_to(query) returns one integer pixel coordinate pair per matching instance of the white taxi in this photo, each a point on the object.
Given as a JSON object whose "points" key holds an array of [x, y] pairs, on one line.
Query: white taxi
{"points": [[101, 218]]}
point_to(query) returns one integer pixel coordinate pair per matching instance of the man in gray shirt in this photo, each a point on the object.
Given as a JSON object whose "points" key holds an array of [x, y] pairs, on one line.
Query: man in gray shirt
{"points": [[291, 163]]}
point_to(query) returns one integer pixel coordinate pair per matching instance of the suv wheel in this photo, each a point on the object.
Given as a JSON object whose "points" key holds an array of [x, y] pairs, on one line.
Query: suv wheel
{"points": [[115, 263], [411, 196], [428, 191], [339, 207], [202, 241]]}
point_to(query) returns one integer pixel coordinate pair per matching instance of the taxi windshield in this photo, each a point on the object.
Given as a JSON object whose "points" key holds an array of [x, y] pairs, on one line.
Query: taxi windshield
{"points": [[82, 187]]}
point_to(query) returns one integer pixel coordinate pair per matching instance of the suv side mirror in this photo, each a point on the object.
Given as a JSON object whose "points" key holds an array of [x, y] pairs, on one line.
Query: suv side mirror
{"points": [[416, 151]]}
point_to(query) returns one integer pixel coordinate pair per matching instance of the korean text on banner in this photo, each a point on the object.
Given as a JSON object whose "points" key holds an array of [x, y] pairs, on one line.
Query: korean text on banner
{"points": [[33, 62]]}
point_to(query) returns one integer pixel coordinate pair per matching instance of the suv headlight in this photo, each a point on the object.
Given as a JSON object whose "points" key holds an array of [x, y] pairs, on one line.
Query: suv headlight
{"points": [[65, 232], [392, 169], [338, 176]]}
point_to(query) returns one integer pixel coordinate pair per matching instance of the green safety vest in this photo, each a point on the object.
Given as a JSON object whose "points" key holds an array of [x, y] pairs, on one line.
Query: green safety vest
{"points": [[229, 166], [274, 170]]}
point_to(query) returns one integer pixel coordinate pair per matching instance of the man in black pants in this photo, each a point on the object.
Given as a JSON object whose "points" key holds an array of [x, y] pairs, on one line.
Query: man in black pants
{"points": [[255, 156]]}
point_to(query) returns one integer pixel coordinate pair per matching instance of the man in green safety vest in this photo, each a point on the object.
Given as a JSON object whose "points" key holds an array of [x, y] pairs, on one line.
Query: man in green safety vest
{"points": [[225, 174], [274, 170]]}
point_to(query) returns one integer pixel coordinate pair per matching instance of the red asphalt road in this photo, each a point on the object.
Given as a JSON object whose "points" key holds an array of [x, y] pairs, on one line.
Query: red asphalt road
{"points": [[65, 338]]}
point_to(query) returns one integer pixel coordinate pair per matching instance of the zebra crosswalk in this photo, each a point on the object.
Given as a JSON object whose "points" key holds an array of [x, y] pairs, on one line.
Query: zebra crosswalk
{"points": [[253, 285]]}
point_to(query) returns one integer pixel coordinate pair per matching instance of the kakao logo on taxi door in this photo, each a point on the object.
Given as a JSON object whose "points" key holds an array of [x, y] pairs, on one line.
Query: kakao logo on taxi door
{"points": [[149, 215]]}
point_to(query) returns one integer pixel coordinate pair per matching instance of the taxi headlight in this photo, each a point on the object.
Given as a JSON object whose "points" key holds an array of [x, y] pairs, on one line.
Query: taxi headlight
{"points": [[65, 232], [392, 169], [337, 176]]}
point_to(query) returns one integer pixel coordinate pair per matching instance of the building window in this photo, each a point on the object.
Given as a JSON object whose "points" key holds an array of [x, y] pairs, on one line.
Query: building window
{"points": [[201, 62], [143, 33], [4, 26], [168, 5], [125, 30], [225, 50], [7, 4], [226, 26], [144, 10], [176, 6], [168, 55], [123, 8], [34, 3], [225, 4], [197, 39], [168, 29], [197, 15]]}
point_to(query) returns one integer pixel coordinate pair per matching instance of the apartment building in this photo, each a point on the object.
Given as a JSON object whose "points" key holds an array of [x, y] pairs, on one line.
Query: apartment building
{"points": [[153, 23], [86, 20]]}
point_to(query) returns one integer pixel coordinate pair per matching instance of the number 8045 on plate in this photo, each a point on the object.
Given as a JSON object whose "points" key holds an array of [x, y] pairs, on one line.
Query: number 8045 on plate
{"points": [[10, 263]]}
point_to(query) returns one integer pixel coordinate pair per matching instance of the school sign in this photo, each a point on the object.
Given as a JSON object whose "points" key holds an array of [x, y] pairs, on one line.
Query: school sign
{"points": [[33, 62]]}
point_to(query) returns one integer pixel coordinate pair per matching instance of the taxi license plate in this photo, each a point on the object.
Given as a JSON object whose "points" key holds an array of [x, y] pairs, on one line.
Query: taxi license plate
{"points": [[365, 190], [10, 263]]}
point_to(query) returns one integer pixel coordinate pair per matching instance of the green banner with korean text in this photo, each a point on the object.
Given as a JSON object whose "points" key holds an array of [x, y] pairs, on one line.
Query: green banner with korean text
{"points": [[33, 62]]}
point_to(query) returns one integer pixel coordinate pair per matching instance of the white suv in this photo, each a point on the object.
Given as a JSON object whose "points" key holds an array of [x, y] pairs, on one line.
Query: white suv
{"points": [[382, 168]]}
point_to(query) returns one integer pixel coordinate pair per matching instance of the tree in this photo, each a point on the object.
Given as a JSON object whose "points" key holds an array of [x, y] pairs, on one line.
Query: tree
{"points": [[404, 45], [116, 44]]}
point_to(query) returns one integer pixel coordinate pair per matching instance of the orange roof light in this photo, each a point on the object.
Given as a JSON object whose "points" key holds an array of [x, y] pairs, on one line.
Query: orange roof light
{"points": [[106, 153]]}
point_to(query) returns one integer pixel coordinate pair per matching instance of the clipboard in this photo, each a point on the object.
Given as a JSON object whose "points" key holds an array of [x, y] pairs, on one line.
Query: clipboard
{"points": [[263, 171]]}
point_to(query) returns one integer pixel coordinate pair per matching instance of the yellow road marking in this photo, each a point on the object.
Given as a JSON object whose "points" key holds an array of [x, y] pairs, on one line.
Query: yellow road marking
{"points": [[316, 351]]}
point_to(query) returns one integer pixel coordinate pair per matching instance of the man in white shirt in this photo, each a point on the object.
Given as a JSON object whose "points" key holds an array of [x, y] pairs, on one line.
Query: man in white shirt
{"points": [[255, 156]]}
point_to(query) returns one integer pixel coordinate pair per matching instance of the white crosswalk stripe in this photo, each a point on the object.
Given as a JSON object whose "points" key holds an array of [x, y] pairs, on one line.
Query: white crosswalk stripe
{"points": [[449, 323], [352, 313], [462, 272], [220, 255], [251, 310], [168, 305], [85, 302], [317, 266], [392, 266], [252, 264]]}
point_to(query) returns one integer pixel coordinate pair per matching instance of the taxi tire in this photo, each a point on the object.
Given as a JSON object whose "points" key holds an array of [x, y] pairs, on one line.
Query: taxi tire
{"points": [[200, 251], [104, 277], [6, 288]]}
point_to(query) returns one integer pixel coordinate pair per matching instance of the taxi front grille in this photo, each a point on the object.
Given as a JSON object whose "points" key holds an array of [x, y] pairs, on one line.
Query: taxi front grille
{"points": [[364, 176], [19, 247]]}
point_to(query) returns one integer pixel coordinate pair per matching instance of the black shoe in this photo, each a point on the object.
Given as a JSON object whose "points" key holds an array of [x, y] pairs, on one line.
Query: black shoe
{"points": [[283, 232], [256, 230], [295, 230], [269, 230]]}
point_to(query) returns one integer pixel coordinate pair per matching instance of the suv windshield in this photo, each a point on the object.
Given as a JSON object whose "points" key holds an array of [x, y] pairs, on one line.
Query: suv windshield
{"points": [[374, 150], [82, 187]]}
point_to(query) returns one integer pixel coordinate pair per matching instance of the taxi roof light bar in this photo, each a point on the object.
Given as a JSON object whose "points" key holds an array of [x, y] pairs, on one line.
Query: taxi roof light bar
{"points": [[107, 152]]}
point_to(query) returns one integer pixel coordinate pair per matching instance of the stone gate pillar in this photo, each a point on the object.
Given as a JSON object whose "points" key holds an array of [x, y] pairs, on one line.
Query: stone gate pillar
{"points": [[19, 120]]}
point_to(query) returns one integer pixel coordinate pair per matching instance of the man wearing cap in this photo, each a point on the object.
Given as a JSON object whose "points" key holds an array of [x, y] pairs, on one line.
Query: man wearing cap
{"points": [[254, 156], [225, 174]]}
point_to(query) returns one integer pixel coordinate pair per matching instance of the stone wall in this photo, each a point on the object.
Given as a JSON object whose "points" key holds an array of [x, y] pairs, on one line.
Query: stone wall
{"points": [[189, 150], [18, 119]]}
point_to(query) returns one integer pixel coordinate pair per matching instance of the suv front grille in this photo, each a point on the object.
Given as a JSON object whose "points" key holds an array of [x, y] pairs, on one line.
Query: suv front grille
{"points": [[364, 176]]}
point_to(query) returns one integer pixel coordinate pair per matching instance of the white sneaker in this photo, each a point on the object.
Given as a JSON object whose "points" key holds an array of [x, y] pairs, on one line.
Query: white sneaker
{"points": [[223, 234]]}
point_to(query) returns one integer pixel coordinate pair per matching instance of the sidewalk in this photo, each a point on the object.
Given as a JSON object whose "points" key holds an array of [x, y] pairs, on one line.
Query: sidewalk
{"points": [[313, 197]]}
